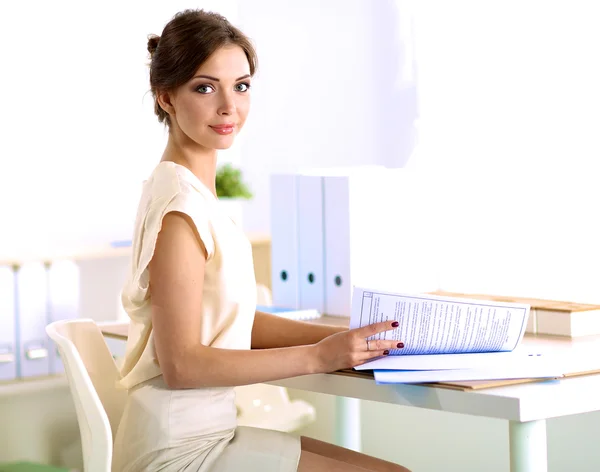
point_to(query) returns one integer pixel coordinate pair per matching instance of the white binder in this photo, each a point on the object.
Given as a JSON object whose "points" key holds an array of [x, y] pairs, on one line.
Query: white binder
{"points": [[284, 240], [8, 342], [338, 280], [311, 258], [63, 300], [31, 308]]}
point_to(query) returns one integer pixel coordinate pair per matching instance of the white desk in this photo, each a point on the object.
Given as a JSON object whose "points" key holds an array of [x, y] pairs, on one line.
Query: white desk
{"points": [[525, 406]]}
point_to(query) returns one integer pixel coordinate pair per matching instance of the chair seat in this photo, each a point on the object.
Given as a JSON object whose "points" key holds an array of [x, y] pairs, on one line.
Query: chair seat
{"points": [[283, 417]]}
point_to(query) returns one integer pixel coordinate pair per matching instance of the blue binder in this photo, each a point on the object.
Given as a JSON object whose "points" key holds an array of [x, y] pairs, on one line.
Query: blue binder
{"points": [[311, 262], [63, 301], [284, 240], [8, 348], [32, 318]]}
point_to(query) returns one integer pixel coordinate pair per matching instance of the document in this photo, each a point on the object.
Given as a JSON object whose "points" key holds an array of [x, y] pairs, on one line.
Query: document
{"points": [[432, 325], [450, 361], [526, 371]]}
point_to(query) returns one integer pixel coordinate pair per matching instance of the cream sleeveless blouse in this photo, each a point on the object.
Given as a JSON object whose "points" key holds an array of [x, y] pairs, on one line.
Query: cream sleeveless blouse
{"points": [[229, 294], [164, 429]]}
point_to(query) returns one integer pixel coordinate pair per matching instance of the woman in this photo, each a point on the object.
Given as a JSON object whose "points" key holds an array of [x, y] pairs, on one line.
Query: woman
{"points": [[191, 293]]}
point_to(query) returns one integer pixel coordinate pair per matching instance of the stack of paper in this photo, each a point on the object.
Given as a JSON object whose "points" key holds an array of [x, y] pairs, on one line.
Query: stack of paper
{"points": [[449, 339], [290, 313], [554, 317]]}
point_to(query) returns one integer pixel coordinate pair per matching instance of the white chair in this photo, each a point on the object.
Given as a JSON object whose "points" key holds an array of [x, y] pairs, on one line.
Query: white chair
{"points": [[92, 375], [263, 295], [269, 407]]}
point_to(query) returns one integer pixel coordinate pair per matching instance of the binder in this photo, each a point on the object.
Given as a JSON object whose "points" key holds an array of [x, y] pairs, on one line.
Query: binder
{"points": [[361, 225], [31, 309], [311, 257], [284, 240], [8, 348], [338, 280], [63, 301]]}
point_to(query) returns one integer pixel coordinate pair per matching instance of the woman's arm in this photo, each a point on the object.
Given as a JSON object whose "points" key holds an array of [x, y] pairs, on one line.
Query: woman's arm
{"points": [[176, 283], [271, 331]]}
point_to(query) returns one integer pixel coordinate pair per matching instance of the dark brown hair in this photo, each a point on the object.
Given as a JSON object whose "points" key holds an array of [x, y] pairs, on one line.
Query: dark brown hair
{"points": [[187, 41]]}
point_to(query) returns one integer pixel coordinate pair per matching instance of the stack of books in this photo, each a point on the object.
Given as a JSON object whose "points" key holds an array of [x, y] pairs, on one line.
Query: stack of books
{"points": [[558, 318]]}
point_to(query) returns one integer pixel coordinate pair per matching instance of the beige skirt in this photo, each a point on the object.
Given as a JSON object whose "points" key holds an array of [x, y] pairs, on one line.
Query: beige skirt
{"points": [[195, 431]]}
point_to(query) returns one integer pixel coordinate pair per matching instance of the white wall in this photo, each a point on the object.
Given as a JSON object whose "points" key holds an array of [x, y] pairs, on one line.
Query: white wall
{"points": [[79, 134], [335, 87], [508, 104], [508, 84]]}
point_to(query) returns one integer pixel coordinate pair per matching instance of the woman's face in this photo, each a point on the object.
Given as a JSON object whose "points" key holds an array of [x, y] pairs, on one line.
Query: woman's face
{"points": [[212, 107]]}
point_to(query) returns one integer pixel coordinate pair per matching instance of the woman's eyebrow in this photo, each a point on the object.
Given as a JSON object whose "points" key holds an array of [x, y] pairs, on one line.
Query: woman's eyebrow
{"points": [[209, 77]]}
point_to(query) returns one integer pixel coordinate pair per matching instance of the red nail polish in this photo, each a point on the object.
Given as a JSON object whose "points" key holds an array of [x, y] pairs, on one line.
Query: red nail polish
{"points": [[395, 324], [400, 345], [386, 352]]}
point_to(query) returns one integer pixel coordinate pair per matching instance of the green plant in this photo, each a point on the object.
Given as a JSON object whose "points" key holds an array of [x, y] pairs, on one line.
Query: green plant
{"points": [[229, 183]]}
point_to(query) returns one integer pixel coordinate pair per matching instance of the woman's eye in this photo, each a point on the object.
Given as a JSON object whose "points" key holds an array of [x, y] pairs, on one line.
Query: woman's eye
{"points": [[243, 87], [205, 89]]}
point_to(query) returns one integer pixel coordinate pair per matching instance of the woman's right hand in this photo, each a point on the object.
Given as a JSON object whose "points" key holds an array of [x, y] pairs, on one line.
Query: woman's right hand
{"points": [[350, 348]]}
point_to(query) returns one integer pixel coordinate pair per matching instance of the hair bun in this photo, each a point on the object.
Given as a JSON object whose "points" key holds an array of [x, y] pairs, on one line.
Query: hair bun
{"points": [[153, 43]]}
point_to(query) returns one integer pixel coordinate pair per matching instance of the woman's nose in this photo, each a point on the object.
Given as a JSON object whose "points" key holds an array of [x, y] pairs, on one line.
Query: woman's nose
{"points": [[227, 106]]}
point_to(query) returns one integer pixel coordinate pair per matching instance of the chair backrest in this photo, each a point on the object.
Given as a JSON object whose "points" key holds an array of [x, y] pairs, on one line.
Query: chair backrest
{"points": [[92, 374], [263, 295]]}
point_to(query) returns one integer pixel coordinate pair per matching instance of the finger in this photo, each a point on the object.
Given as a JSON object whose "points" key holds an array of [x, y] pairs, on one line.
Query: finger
{"points": [[380, 353], [376, 328], [382, 345], [370, 355]]}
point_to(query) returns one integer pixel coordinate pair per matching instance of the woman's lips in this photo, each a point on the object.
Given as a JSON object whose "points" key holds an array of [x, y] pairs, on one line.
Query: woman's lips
{"points": [[223, 129]]}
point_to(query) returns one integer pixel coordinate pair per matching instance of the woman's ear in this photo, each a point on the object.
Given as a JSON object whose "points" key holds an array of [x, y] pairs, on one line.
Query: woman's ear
{"points": [[165, 101]]}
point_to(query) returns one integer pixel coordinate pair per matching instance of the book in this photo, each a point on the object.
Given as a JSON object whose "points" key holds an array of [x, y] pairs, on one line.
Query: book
{"points": [[290, 313], [451, 333], [558, 318]]}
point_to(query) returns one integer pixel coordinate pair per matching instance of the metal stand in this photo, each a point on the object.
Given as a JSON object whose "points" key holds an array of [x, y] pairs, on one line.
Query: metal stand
{"points": [[528, 447], [347, 423]]}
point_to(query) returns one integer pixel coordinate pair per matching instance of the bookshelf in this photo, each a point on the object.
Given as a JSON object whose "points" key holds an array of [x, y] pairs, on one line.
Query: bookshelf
{"points": [[36, 385], [95, 303]]}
